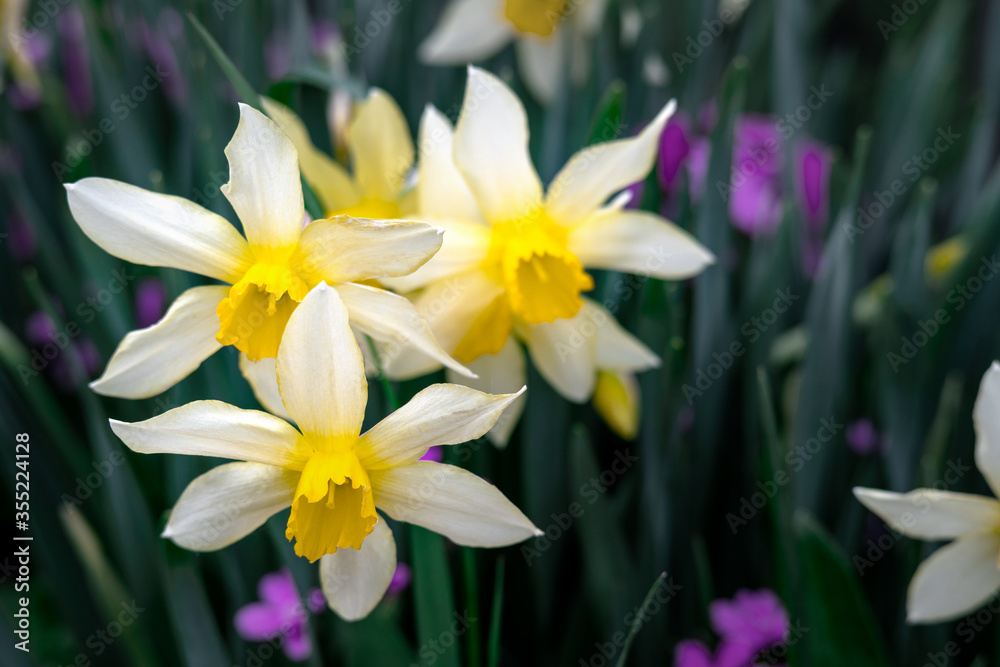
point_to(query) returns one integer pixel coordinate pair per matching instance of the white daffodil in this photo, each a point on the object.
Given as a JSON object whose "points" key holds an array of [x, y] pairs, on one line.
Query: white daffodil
{"points": [[957, 579], [512, 266], [381, 152], [334, 478], [268, 273], [550, 37]]}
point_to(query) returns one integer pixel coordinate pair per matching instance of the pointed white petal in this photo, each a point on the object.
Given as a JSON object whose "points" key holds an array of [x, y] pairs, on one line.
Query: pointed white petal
{"points": [[928, 514], [469, 31], [542, 62], [491, 150], [464, 248], [264, 186], [150, 361], [955, 580], [264, 381], [333, 186], [228, 503], [380, 145], [986, 417], [354, 580], [617, 349], [391, 319], [441, 414], [214, 428], [638, 242], [599, 171], [501, 373], [147, 228], [321, 375], [441, 188], [565, 353], [451, 501], [345, 249]]}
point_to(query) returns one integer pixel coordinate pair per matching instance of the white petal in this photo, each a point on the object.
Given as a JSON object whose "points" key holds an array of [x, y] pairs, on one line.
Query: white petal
{"points": [[152, 360], [599, 171], [928, 514], [441, 188], [380, 145], [354, 580], [588, 15], [214, 428], [390, 318], [542, 63], [263, 380], [465, 247], [264, 186], [147, 228], [617, 349], [451, 501], [346, 249], [565, 353], [491, 150], [441, 414], [501, 373], [228, 503], [638, 242], [321, 375], [955, 580], [986, 417], [332, 184], [469, 31]]}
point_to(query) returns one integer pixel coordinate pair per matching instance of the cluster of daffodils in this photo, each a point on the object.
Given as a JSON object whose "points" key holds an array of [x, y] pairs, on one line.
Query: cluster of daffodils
{"points": [[482, 262], [959, 578]]}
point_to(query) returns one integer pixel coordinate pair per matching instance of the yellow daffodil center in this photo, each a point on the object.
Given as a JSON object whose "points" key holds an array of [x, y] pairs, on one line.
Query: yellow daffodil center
{"points": [[333, 507], [375, 209], [255, 313], [539, 17], [542, 281]]}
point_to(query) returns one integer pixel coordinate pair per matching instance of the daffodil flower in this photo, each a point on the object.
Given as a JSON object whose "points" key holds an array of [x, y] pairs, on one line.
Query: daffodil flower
{"points": [[381, 151], [957, 579], [335, 479], [267, 273], [550, 37], [512, 266]]}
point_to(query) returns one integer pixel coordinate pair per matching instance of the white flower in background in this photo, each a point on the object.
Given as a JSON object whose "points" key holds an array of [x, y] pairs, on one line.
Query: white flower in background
{"points": [[958, 578], [512, 265], [334, 478], [550, 36]]}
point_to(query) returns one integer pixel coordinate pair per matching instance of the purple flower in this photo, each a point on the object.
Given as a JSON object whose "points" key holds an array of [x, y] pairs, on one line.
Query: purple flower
{"points": [[39, 328], [160, 51], [280, 613], [277, 55], [680, 147], [693, 653], [435, 454], [150, 300], [401, 579], [862, 437], [755, 186], [75, 59], [812, 182], [21, 238], [635, 192], [753, 618], [36, 49]]}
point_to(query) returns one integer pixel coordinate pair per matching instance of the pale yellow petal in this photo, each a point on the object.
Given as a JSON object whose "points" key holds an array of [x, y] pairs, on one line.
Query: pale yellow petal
{"points": [[501, 373], [355, 580], [381, 147], [469, 31], [441, 188], [263, 380]]}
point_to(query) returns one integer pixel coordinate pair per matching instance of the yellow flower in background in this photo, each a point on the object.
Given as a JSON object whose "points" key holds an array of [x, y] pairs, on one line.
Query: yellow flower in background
{"points": [[943, 258], [270, 271], [334, 478], [616, 399], [512, 266], [381, 152], [550, 37], [13, 43], [959, 578]]}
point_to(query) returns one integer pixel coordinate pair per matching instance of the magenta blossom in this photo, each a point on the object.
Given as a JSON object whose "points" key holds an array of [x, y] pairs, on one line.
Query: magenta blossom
{"points": [[401, 579], [280, 614], [150, 302], [680, 148], [755, 185], [813, 164], [750, 623], [435, 454], [862, 437]]}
